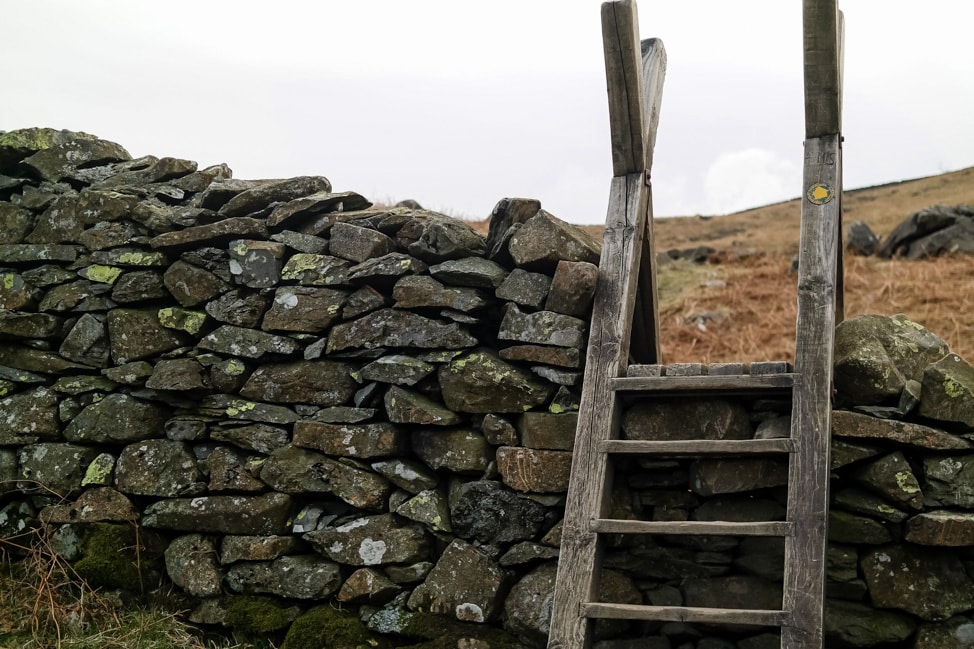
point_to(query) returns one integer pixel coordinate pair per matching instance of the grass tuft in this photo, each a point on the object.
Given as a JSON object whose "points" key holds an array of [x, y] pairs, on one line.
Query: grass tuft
{"points": [[45, 604]]}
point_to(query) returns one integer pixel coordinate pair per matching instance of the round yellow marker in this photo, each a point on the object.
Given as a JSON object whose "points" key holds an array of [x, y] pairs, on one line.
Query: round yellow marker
{"points": [[820, 193]]}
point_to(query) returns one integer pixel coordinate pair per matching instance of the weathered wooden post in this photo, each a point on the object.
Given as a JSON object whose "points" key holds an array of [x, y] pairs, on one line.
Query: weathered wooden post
{"points": [[819, 307]]}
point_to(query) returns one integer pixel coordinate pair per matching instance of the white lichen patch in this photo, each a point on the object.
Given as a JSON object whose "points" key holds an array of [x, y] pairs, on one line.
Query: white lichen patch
{"points": [[372, 551], [950, 467], [405, 472], [348, 527], [286, 299], [468, 612]]}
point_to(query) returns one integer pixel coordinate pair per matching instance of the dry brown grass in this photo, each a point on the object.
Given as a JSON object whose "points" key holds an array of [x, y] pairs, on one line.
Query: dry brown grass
{"points": [[45, 604], [760, 297], [758, 305]]}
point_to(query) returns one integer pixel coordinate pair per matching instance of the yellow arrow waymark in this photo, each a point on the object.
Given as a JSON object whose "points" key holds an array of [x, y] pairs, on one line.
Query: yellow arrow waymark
{"points": [[820, 194]]}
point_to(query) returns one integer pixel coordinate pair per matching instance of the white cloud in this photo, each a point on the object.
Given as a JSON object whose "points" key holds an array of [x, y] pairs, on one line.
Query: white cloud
{"points": [[745, 179]]}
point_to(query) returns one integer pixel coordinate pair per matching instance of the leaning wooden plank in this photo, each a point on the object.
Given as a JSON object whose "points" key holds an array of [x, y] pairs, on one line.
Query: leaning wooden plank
{"points": [[598, 416], [839, 262], [739, 384], [822, 88], [808, 485], [645, 325], [623, 72], [727, 528], [685, 614], [654, 72], [698, 446]]}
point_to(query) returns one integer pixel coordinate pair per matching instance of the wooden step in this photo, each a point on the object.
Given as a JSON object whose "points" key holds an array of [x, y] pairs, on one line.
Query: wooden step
{"points": [[711, 369], [684, 614], [722, 528], [706, 383], [698, 446]]}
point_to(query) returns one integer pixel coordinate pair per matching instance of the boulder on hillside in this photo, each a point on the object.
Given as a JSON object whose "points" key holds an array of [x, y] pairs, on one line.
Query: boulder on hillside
{"points": [[931, 232], [861, 240]]}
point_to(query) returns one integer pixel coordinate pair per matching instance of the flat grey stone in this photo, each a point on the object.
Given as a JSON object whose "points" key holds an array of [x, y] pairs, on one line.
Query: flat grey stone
{"points": [[251, 515]]}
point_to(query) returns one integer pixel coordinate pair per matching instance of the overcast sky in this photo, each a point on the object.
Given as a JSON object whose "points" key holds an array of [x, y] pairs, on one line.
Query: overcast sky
{"points": [[458, 104]]}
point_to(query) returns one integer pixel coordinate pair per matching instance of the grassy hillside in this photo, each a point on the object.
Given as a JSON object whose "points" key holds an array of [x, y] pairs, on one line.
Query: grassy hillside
{"points": [[752, 297]]}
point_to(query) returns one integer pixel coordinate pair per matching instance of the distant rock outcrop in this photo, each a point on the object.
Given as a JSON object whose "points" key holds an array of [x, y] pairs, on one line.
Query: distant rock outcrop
{"points": [[860, 239], [931, 232]]}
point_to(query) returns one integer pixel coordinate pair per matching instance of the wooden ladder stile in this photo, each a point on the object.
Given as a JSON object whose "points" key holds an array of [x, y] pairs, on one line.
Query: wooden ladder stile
{"points": [[625, 253], [623, 361]]}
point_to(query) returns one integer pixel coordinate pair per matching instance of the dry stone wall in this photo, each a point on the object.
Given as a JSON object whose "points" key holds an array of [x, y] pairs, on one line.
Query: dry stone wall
{"points": [[296, 399]]}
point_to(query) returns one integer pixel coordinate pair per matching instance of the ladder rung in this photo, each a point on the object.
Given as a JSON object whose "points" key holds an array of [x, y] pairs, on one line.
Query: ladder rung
{"points": [[698, 446], [684, 614], [728, 528], [740, 383]]}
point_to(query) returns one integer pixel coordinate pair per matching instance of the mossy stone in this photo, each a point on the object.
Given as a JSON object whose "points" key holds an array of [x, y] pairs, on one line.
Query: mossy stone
{"points": [[18, 144], [324, 627], [255, 614], [119, 556]]}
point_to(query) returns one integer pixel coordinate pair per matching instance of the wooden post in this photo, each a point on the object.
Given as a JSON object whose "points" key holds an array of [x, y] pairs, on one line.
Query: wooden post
{"points": [[623, 268], [819, 297], [823, 102]]}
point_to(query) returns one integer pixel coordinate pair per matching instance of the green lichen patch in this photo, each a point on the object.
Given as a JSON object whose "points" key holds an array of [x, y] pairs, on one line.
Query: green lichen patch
{"points": [[237, 407], [952, 388], [234, 367], [102, 274], [183, 319], [907, 482], [135, 258], [100, 471]]}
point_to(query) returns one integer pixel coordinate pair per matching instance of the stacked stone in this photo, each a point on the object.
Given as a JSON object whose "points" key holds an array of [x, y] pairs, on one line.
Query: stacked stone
{"points": [[306, 397], [902, 516]]}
